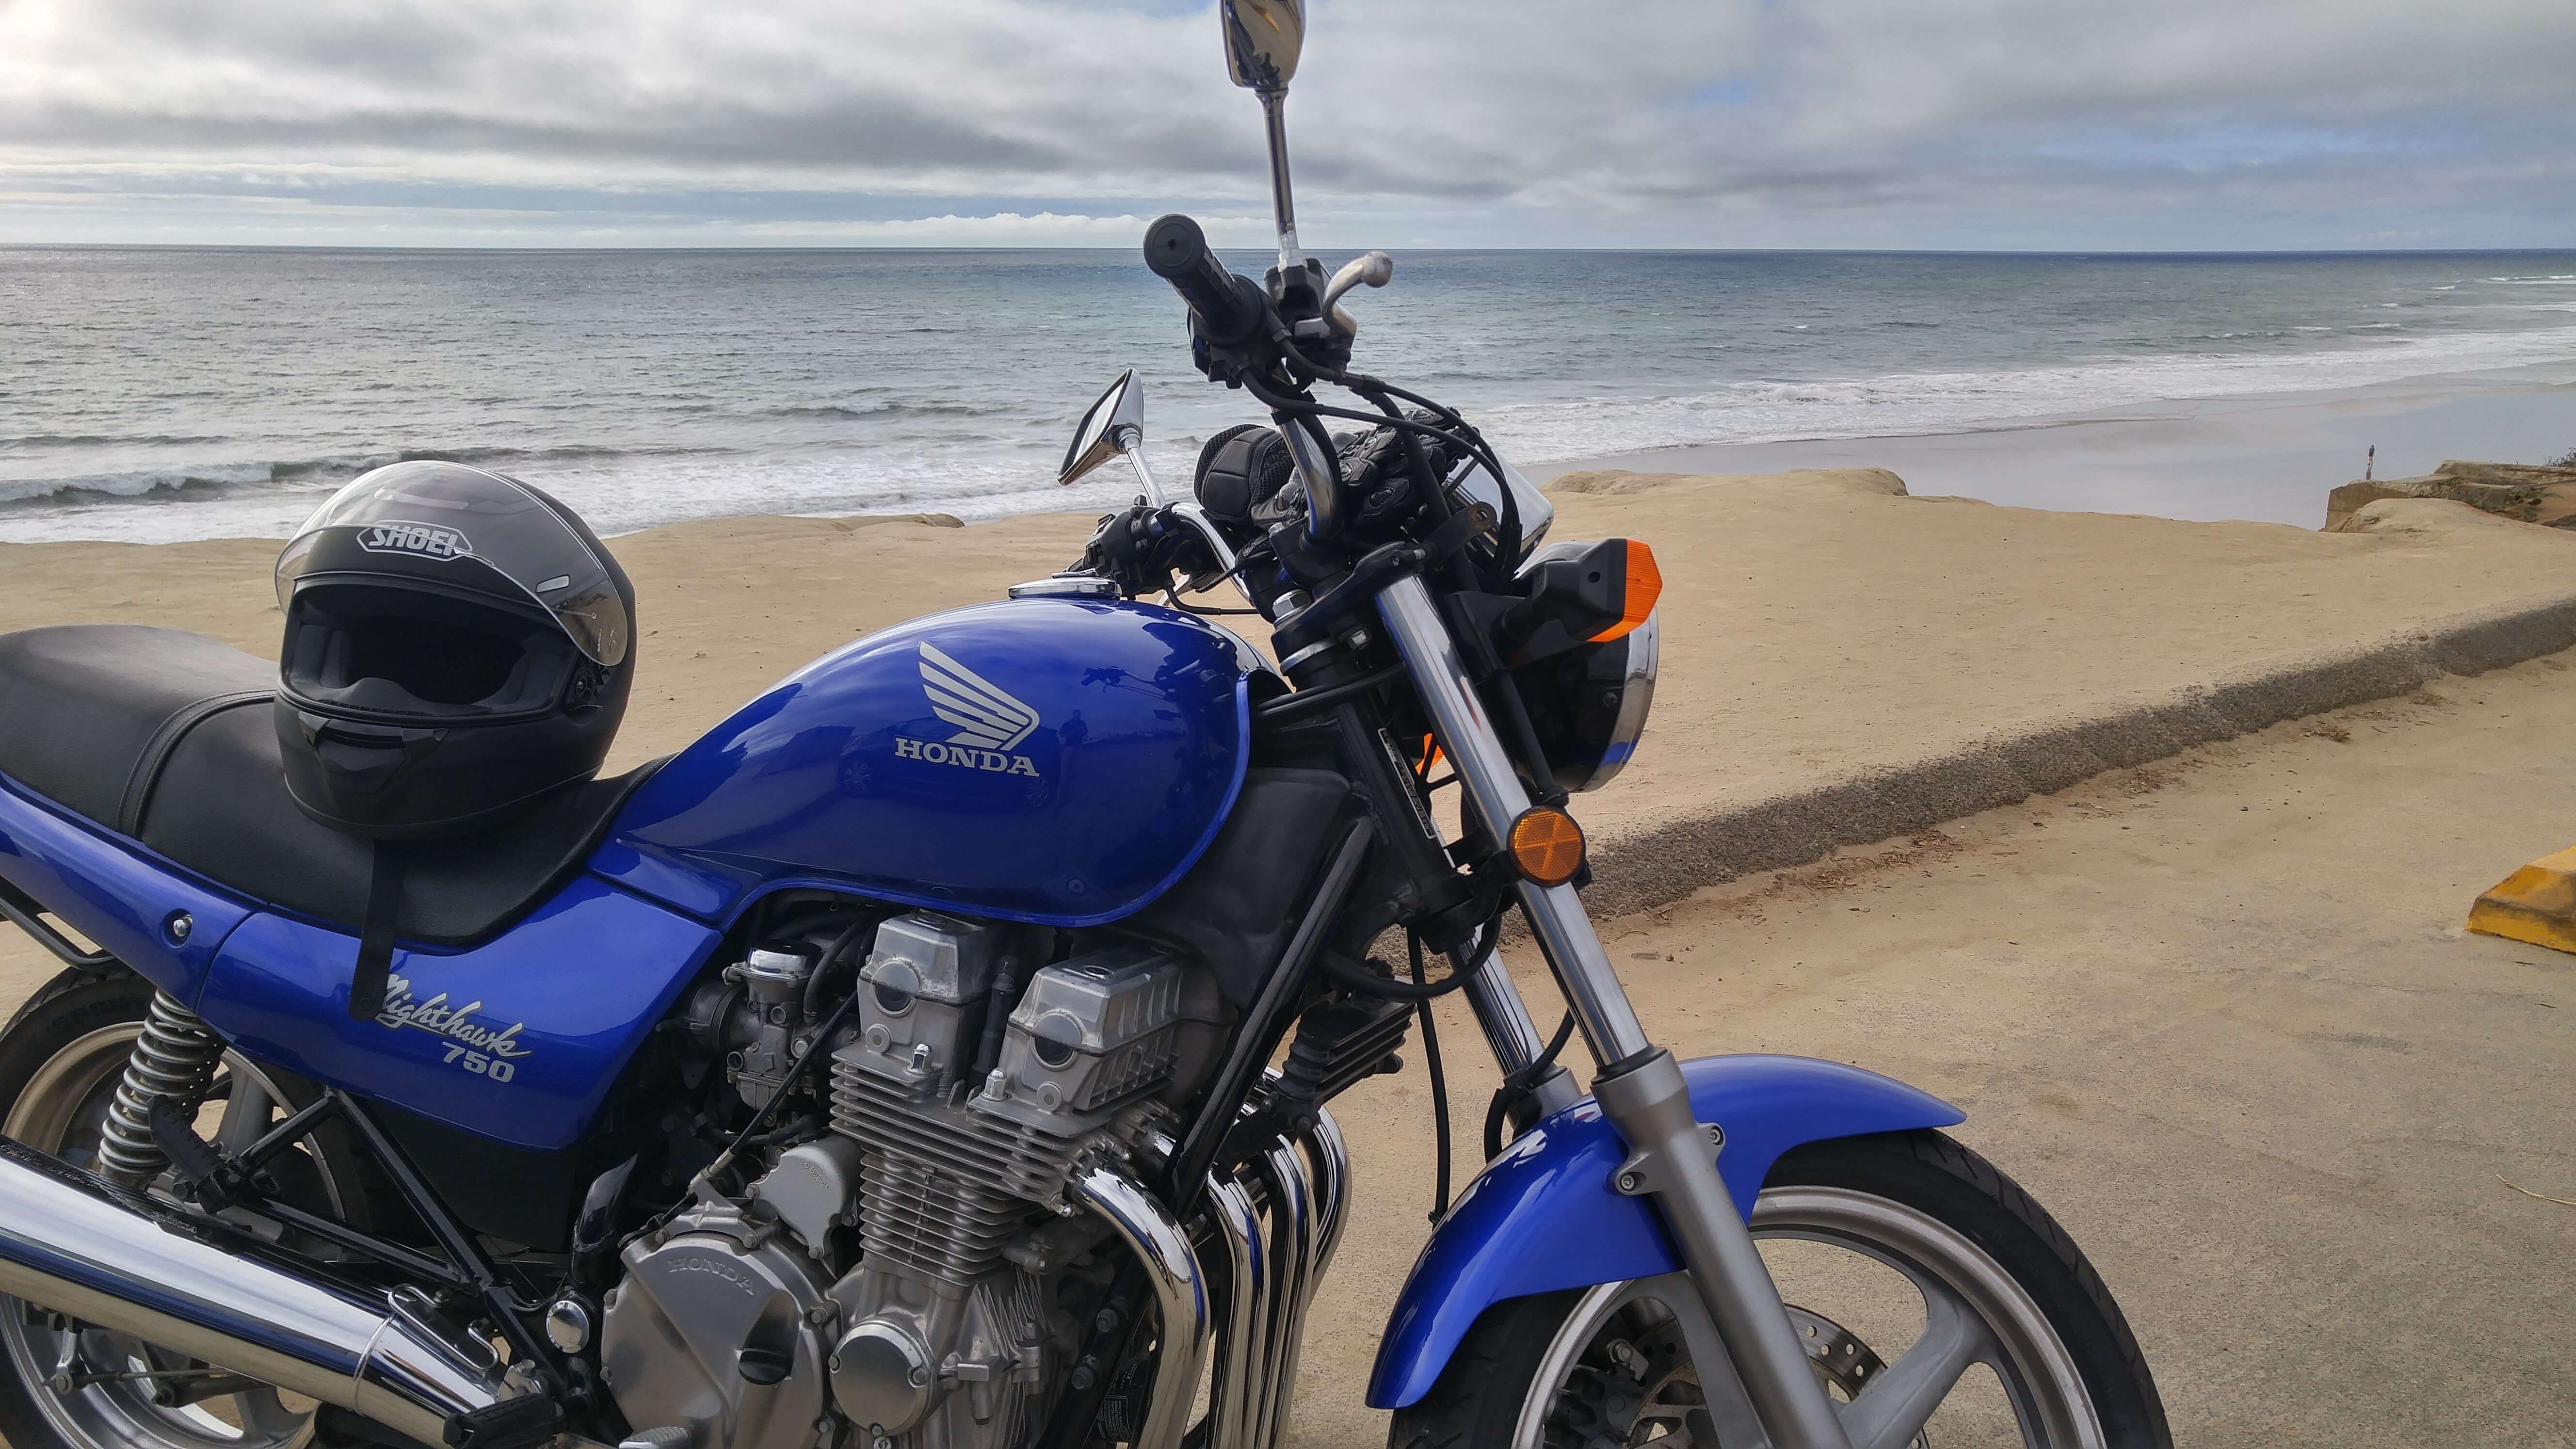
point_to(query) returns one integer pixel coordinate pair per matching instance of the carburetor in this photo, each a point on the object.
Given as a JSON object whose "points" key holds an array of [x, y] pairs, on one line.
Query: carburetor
{"points": [[752, 1017]]}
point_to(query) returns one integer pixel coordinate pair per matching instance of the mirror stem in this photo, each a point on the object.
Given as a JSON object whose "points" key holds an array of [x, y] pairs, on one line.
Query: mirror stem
{"points": [[1274, 106], [1131, 446], [1130, 443]]}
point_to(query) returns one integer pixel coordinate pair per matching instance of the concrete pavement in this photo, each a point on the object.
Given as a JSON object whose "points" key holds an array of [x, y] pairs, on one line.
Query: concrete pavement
{"points": [[2220, 1016]]}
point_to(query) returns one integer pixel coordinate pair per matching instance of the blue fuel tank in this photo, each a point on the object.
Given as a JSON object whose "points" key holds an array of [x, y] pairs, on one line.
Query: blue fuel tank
{"points": [[1055, 761]]}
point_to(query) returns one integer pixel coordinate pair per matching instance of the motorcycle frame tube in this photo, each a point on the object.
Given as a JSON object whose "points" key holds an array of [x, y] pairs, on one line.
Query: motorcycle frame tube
{"points": [[1641, 1090], [1171, 1266]]}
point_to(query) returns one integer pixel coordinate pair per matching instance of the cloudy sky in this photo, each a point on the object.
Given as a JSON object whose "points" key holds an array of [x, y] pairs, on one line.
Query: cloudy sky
{"points": [[1699, 123]]}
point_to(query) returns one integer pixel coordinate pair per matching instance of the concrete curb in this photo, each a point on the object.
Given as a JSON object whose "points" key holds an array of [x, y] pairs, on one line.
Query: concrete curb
{"points": [[1660, 864]]}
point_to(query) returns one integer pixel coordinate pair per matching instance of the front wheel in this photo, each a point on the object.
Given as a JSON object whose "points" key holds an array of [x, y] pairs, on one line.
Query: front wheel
{"points": [[1939, 1305]]}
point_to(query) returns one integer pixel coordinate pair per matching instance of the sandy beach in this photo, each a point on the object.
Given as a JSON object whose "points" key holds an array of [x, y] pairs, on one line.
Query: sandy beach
{"points": [[1818, 625], [2138, 960]]}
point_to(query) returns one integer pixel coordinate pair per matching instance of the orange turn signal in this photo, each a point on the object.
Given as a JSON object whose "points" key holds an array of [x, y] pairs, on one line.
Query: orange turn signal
{"points": [[1547, 845], [1644, 585]]}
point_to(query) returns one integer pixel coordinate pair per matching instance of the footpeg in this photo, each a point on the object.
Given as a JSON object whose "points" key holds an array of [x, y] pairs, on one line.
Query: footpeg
{"points": [[208, 1175], [519, 1423]]}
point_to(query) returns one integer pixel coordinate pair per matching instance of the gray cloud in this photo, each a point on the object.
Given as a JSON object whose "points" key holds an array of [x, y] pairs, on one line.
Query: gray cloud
{"points": [[1723, 122]]}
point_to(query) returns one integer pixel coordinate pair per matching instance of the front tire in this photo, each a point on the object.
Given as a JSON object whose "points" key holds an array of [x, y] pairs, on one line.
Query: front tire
{"points": [[1905, 1257]]}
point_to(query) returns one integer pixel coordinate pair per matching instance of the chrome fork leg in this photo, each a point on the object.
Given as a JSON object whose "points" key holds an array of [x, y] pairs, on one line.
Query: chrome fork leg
{"points": [[1641, 1091]]}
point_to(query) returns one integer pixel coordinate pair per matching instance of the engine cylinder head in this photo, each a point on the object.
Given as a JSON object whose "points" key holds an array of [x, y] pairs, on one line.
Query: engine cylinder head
{"points": [[922, 996]]}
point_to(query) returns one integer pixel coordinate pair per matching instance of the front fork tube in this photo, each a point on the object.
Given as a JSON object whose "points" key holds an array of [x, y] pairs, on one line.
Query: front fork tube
{"points": [[1513, 1036], [1640, 1089]]}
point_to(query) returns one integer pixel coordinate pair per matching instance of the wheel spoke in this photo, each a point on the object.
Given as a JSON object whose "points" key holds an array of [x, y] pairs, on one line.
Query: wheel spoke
{"points": [[246, 1113], [1891, 1411], [1724, 1406]]}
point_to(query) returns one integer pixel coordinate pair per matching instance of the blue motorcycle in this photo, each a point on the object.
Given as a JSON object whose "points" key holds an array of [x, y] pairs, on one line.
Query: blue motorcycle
{"points": [[940, 1053]]}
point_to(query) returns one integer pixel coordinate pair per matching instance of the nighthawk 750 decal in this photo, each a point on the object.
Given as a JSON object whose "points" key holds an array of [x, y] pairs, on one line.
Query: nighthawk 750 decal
{"points": [[475, 1045], [989, 721]]}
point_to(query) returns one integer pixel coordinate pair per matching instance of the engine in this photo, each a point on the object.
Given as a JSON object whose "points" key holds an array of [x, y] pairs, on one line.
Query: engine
{"points": [[897, 1272]]}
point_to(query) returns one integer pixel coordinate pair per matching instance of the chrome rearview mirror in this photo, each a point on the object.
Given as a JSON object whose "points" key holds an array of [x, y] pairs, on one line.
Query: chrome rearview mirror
{"points": [[1115, 428], [1262, 38], [1115, 424]]}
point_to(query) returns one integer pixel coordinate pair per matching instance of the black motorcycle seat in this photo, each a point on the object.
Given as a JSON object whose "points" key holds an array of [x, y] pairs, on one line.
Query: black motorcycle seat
{"points": [[168, 737]]}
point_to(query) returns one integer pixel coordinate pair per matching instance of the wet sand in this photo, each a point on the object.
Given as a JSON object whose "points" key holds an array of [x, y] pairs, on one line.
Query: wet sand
{"points": [[2270, 458]]}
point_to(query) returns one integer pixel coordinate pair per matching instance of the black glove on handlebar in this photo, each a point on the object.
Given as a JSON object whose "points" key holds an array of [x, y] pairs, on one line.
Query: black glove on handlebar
{"points": [[1377, 472]]}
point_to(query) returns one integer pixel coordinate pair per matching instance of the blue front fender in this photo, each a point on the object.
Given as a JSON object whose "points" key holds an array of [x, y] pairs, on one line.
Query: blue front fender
{"points": [[1543, 1216]]}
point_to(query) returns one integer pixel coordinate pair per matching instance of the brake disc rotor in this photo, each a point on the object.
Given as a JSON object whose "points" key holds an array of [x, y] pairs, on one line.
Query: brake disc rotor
{"points": [[1840, 1359]]}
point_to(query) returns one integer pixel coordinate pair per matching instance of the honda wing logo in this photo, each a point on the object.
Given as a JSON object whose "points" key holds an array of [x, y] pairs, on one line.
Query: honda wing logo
{"points": [[990, 722], [429, 540]]}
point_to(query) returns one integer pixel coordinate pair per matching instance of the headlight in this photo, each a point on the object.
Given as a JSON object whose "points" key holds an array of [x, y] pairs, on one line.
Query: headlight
{"points": [[1589, 705], [1588, 702]]}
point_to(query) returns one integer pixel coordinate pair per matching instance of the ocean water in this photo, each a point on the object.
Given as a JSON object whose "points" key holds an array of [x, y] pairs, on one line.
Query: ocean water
{"points": [[162, 393]]}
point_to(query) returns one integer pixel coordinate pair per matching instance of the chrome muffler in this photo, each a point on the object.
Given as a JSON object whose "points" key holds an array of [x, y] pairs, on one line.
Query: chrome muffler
{"points": [[82, 1247]]}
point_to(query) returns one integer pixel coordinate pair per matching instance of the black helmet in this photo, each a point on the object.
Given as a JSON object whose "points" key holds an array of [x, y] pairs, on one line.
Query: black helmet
{"points": [[458, 646]]}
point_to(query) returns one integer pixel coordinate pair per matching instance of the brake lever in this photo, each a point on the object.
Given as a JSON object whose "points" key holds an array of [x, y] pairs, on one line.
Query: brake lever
{"points": [[1373, 269]]}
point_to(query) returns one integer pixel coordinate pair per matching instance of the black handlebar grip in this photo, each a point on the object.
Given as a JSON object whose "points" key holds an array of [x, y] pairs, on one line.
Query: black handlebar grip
{"points": [[1229, 307]]}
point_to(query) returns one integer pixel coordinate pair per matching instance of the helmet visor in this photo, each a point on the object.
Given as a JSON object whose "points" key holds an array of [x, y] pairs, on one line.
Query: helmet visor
{"points": [[434, 510]]}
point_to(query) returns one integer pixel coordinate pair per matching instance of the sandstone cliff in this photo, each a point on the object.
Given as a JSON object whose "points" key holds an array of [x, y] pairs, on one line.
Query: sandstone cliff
{"points": [[2527, 492]]}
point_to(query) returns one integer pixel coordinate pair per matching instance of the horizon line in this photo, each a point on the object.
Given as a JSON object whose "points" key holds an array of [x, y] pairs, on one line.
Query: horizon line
{"points": [[2114, 251]]}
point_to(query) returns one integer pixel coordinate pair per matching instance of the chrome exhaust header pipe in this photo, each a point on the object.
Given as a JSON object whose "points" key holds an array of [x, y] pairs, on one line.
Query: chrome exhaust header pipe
{"points": [[1330, 1176], [1141, 1222], [1241, 1372], [1279, 1224], [1293, 1242], [96, 1252]]}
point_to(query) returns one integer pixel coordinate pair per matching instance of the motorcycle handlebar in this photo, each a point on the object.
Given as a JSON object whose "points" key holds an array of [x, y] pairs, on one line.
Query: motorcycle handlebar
{"points": [[1229, 307]]}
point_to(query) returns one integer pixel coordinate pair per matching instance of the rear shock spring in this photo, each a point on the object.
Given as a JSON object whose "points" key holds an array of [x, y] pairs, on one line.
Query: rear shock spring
{"points": [[174, 1058]]}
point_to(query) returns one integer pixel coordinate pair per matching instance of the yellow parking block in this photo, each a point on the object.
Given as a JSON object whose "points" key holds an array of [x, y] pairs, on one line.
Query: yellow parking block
{"points": [[2536, 904]]}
